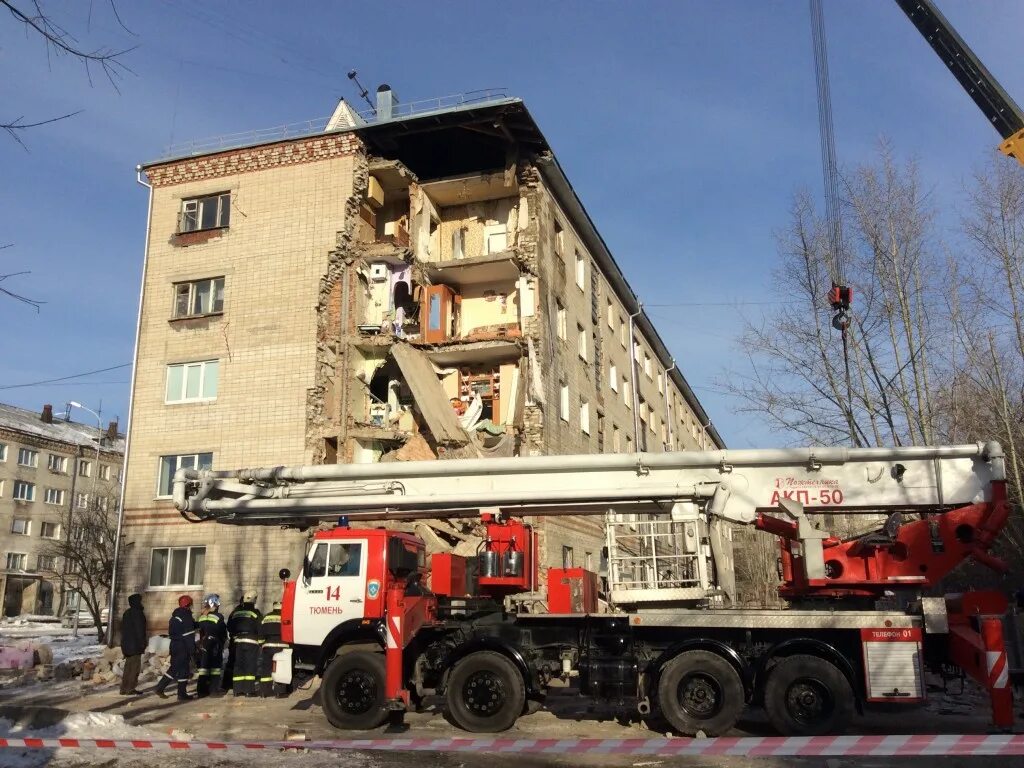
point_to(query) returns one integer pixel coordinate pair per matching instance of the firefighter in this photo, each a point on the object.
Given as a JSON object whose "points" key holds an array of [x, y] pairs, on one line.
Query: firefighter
{"points": [[182, 631], [244, 626], [213, 632], [270, 643]]}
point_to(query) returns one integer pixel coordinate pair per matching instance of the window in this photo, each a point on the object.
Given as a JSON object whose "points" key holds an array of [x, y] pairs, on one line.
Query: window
{"points": [[611, 315], [24, 491], [28, 458], [616, 440], [581, 342], [21, 526], [622, 332], [57, 463], [647, 367], [199, 297], [584, 416], [210, 212], [661, 382], [85, 468], [560, 320], [567, 557], [192, 382], [177, 567], [495, 238], [1, 488], [336, 559], [16, 561], [563, 402], [171, 464], [101, 503], [104, 472], [3, 451], [613, 377], [54, 496], [629, 444], [627, 393], [81, 500], [588, 561], [50, 530], [581, 271], [46, 563], [559, 239]]}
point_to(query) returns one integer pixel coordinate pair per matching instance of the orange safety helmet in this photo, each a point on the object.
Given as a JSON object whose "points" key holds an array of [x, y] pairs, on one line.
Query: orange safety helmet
{"points": [[184, 601]]}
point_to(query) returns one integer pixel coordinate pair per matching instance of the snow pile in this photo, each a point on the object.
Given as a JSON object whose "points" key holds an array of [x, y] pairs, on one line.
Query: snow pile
{"points": [[79, 725]]}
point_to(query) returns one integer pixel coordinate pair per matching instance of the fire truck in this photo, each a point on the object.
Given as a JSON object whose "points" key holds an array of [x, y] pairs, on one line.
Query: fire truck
{"points": [[657, 627]]}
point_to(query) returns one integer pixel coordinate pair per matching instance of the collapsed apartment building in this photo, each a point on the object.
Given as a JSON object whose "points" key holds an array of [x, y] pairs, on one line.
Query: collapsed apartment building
{"points": [[416, 283]]}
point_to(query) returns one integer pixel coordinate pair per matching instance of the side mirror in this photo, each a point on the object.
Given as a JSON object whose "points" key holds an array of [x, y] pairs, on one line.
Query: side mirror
{"points": [[284, 574], [305, 571]]}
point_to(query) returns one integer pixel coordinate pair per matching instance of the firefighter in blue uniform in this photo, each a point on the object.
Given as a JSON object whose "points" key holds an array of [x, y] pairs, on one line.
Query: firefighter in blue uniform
{"points": [[182, 631], [270, 643], [213, 632], [244, 627]]}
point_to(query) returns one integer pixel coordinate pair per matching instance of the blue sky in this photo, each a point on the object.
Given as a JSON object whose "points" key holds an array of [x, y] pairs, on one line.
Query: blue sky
{"points": [[685, 127]]}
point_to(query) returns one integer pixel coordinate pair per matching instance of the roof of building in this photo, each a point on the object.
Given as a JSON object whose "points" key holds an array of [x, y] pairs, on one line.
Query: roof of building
{"points": [[482, 129], [70, 432]]}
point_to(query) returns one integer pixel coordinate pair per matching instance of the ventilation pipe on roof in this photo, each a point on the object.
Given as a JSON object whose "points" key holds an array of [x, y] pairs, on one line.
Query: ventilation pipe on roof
{"points": [[47, 415], [386, 101]]}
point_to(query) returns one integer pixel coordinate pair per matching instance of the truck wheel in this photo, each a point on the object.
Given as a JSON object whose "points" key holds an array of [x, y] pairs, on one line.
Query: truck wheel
{"points": [[700, 691], [352, 691], [808, 696], [485, 693]]}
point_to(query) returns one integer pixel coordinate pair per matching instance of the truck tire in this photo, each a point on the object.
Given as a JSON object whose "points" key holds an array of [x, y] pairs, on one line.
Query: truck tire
{"points": [[808, 696], [352, 691], [485, 693], [700, 691]]}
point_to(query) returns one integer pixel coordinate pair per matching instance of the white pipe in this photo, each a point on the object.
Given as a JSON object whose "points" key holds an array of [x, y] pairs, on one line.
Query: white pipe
{"points": [[668, 403], [632, 373], [111, 603]]}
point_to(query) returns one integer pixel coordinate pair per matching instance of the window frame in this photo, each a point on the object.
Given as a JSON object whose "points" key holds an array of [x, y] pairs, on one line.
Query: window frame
{"points": [[222, 216], [203, 368], [581, 271], [60, 461], [59, 492], [581, 343], [81, 500], [563, 402], [33, 462], [24, 561], [24, 484], [167, 586], [3, 452], [105, 472], [42, 529], [191, 296], [84, 468], [178, 457], [27, 526], [50, 565], [584, 416], [613, 377]]}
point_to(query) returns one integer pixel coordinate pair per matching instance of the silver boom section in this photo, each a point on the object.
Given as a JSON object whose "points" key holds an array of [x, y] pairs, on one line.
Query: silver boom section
{"points": [[730, 485]]}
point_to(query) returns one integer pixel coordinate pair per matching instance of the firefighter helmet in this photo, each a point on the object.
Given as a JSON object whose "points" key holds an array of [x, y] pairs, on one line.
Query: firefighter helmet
{"points": [[184, 601], [212, 601]]}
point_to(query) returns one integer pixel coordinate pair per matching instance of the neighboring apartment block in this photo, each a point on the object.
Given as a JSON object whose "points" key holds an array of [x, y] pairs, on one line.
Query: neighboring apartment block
{"points": [[49, 468], [421, 283]]}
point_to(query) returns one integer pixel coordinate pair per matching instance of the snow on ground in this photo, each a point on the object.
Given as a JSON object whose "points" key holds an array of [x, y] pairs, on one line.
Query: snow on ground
{"points": [[64, 646]]}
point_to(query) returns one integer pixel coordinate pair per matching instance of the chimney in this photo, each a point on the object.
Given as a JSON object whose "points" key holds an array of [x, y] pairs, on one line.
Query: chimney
{"points": [[112, 430], [47, 415], [386, 101]]}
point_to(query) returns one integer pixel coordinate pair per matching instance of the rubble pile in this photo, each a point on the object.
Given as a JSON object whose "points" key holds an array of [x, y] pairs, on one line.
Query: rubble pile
{"points": [[36, 664]]}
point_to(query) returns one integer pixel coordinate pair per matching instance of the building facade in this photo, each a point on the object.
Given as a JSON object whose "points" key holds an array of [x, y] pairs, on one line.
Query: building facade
{"points": [[418, 285], [49, 470]]}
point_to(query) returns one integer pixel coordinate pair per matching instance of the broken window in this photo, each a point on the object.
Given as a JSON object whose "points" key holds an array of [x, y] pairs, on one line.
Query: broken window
{"points": [[209, 212], [485, 384], [199, 297]]}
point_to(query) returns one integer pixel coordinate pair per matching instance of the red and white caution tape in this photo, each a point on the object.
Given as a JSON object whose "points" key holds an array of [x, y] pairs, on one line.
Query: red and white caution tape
{"points": [[827, 746]]}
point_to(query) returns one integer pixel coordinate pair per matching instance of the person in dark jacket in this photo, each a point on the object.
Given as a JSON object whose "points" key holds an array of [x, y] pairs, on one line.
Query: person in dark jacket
{"points": [[270, 643], [182, 631], [213, 633], [133, 643], [244, 627]]}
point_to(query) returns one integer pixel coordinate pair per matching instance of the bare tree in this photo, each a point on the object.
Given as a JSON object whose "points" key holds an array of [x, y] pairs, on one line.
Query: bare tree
{"points": [[59, 42], [86, 554]]}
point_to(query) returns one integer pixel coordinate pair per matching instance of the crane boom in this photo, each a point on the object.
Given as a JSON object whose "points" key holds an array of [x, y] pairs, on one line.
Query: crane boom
{"points": [[994, 102], [733, 485]]}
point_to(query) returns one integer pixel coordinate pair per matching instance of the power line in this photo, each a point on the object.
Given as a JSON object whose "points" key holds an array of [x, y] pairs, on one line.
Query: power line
{"points": [[64, 378], [721, 303]]}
